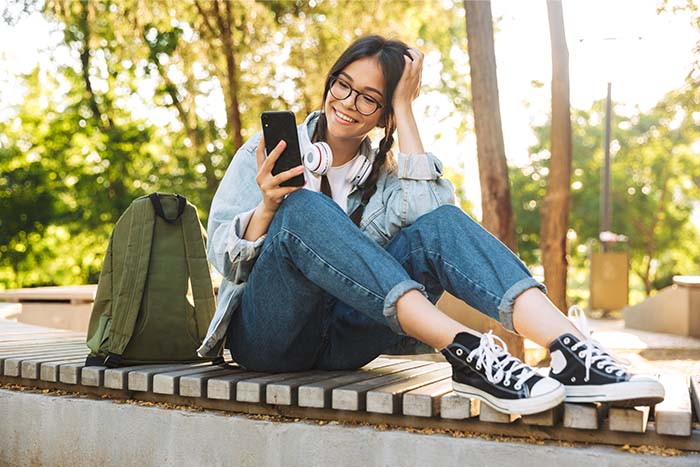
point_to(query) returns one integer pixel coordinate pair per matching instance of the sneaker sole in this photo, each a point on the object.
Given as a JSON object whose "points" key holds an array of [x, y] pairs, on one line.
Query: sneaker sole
{"points": [[527, 406], [628, 393]]}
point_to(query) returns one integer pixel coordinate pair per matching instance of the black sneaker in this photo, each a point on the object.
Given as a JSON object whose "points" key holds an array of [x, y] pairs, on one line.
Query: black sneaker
{"points": [[484, 370], [590, 374]]}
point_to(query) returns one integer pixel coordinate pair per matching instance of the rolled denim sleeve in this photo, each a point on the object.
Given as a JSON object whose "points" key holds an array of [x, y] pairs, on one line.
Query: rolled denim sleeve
{"points": [[416, 188], [231, 210], [419, 166]]}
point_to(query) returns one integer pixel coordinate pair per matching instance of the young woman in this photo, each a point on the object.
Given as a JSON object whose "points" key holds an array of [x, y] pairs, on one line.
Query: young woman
{"points": [[332, 274]]}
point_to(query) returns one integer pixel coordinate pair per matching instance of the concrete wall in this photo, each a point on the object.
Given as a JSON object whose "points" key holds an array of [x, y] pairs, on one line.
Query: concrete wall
{"points": [[667, 311], [42, 430], [72, 317]]}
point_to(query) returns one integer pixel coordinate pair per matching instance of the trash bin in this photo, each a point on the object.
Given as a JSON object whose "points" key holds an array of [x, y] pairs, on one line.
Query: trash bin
{"points": [[609, 281]]}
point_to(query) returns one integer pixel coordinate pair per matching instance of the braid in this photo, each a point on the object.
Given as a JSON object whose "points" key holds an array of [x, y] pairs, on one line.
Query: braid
{"points": [[380, 160], [370, 186]]}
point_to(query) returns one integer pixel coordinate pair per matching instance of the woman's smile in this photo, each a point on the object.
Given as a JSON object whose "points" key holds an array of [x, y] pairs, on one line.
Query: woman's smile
{"points": [[342, 118]]}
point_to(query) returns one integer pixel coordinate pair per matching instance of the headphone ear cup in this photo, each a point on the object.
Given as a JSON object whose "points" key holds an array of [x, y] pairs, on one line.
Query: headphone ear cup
{"points": [[318, 158], [360, 170]]}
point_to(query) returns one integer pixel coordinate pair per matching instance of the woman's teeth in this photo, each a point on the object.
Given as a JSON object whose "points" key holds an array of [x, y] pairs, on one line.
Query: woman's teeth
{"points": [[344, 118]]}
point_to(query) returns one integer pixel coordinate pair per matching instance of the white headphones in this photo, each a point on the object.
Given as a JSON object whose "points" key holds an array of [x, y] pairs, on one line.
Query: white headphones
{"points": [[318, 158]]}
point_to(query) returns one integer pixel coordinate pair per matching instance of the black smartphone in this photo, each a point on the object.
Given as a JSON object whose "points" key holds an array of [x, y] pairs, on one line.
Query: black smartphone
{"points": [[279, 126]]}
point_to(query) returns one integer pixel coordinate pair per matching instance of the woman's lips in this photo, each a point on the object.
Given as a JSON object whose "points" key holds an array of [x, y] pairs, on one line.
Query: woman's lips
{"points": [[340, 120]]}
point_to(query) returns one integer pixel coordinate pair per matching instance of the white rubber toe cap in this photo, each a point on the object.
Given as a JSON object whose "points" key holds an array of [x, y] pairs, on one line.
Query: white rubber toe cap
{"points": [[546, 386]]}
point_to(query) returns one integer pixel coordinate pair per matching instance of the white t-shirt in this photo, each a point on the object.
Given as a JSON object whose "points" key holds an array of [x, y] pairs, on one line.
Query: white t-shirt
{"points": [[340, 188]]}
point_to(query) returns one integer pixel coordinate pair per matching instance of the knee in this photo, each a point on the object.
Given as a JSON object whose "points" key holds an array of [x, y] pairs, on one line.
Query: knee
{"points": [[307, 208], [445, 216], [304, 202]]}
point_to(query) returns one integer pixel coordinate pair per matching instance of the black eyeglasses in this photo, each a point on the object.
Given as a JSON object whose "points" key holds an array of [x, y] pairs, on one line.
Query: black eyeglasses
{"points": [[364, 103]]}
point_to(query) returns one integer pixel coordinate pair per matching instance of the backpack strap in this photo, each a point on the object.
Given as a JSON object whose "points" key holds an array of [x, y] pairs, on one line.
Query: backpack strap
{"points": [[200, 278], [132, 281]]}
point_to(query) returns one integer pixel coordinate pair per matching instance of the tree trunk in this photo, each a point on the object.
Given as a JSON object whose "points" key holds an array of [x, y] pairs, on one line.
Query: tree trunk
{"points": [[217, 26], [232, 109], [498, 216], [555, 210]]}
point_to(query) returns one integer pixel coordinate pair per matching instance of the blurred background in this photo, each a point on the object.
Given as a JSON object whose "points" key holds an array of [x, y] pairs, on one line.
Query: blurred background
{"points": [[104, 101]]}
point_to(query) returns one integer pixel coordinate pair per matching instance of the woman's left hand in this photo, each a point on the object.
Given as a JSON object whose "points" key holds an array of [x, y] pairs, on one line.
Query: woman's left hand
{"points": [[409, 85]]}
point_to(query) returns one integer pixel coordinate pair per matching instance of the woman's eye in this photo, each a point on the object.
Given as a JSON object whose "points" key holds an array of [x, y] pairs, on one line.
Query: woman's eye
{"points": [[368, 100], [343, 85]]}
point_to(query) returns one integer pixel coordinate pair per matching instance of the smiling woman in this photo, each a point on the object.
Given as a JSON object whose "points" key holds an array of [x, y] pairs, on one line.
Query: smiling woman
{"points": [[332, 274]]}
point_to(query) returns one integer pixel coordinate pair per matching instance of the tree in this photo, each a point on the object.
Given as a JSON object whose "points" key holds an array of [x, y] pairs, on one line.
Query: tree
{"points": [[656, 180], [555, 208], [498, 216]]}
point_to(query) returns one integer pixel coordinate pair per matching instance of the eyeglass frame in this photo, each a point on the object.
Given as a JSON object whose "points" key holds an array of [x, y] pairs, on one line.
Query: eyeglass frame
{"points": [[335, 78]]}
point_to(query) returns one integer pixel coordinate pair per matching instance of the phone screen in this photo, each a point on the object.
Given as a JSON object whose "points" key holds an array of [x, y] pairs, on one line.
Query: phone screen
{"points": [[279, 126]]}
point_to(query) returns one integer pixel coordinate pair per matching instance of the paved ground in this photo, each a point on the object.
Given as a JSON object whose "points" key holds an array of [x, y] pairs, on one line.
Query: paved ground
{"points": [[647, 352]]}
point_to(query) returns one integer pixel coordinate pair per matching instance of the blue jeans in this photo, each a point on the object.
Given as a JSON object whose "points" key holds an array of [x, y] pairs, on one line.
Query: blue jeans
{"points": [[323, 295]]}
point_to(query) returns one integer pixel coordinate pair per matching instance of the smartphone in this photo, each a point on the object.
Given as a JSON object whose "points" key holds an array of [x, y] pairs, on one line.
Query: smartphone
{"points": [[282, 126]]}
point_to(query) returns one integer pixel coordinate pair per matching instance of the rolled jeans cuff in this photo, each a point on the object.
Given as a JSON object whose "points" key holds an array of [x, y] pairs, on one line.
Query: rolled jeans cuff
{"points": [[393, 296], [505, 309]]}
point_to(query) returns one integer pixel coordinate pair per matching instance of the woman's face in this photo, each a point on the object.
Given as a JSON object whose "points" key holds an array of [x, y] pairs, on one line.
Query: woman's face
{"points": [[344, 121]]}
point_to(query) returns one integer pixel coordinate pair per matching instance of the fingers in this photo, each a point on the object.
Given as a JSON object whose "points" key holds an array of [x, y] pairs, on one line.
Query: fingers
{"points": [[271, 158], [414, 58], [286, 175]]}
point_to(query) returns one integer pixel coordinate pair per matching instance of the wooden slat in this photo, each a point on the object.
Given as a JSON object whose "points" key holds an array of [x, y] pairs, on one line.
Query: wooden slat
{"points": [[286, 392], [28, 345], [674, 415], [31, 369], [456, 407], [224, 387], [388, 399], [584, 416], [353, 396], [196, 385], [13, 366], [549, 417], [425, 401], [69, 373], [32, 336], [629, 420], [489, 414], [318, 395], [10, 364], [695, 394], [118, 378], [37, 352], [253, 390], [169, 383], [142, 379], [50, 371], [92, 375]]}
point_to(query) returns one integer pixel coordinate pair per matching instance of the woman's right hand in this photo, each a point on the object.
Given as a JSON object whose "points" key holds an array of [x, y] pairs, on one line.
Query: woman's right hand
{"points": [[273, 194]]}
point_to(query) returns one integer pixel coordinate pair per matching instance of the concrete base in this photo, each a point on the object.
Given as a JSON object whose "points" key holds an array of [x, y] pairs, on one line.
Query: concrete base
{"points": [[673, 310], [71, 317], [37, 429]]}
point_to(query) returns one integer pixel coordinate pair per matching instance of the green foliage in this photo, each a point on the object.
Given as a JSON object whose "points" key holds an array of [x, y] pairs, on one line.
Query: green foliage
{"points": [[655, 189], [126, 107]]}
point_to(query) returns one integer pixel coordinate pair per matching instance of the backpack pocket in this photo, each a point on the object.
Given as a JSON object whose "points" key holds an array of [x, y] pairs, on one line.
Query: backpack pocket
{"points": [[97, 343]]}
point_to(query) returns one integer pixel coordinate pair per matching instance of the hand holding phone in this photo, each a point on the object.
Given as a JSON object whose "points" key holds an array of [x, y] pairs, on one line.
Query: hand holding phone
{"points": [[273, 193], [281, 126]]}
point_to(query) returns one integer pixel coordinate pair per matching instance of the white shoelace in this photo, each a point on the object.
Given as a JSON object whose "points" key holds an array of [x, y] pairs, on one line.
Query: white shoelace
{"points": [[591, 351], [492, 356]]}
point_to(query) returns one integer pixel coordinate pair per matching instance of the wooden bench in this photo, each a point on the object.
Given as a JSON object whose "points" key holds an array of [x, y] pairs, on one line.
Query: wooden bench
{"points": [[387, 391]]}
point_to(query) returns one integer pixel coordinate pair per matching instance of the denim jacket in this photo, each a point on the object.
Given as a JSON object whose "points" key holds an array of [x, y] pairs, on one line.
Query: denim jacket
{"points": [[413, 188]]}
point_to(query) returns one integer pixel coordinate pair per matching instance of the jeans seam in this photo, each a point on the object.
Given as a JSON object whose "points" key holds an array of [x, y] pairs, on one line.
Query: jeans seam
{"points": [[330, 266], [453, 267]]}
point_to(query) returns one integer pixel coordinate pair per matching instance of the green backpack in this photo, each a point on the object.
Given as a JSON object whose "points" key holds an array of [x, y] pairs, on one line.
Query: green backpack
{"points": [[143, 310]]}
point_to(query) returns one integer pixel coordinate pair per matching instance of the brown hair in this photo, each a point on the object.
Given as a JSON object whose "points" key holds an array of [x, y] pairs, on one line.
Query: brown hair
{"points": [[390, 54]]}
